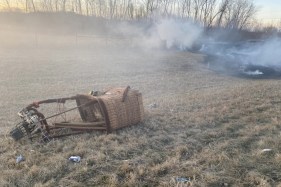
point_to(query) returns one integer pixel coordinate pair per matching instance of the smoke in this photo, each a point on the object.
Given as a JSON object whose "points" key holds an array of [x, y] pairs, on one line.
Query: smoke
{"points": [[178, 33], [267, 54], [233, 52], [249, 57], [167, 33]]}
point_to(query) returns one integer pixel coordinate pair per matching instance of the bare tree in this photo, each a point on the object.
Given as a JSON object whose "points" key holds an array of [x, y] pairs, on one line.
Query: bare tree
{"points": [[130, 10], [151, 7], [197, 8], [112, 8], [63, 5], [248, 11], [8, 5], [186, 8], [239, 14], [222, 11], [30, 6], [208, 17]]}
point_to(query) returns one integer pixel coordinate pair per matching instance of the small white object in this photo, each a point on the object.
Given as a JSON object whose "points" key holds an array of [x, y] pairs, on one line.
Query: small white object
{"points": [[20, 159], [153, 105], [257, 72], [75, 158], [266, 150], [182, 179]]}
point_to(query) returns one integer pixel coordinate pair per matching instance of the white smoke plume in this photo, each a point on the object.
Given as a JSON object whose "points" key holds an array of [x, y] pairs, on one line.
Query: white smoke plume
{"points": [[178, 33], [268, 53], [168, 33]]}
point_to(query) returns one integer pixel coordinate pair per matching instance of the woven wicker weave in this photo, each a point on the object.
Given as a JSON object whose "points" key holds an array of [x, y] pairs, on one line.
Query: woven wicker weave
{"points": [[122, 114], [118, 107]]}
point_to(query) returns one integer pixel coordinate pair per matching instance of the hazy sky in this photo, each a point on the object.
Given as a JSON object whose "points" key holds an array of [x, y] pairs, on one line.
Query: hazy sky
{"points": [[269, 10]]}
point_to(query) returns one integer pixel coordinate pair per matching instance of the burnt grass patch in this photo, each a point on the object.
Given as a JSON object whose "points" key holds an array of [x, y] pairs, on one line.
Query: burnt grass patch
{"points": [[234, 67]]}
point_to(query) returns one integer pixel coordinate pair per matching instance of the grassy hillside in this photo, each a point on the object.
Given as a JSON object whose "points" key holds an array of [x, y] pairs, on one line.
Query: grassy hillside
{"points": [[206, 126]]}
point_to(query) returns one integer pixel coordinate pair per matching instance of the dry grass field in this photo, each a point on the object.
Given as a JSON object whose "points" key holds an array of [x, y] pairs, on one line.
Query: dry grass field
{"points": [[208, 127]]}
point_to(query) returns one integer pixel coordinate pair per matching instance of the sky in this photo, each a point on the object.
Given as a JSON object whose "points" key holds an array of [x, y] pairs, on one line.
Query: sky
{"points": [[268, 10]]}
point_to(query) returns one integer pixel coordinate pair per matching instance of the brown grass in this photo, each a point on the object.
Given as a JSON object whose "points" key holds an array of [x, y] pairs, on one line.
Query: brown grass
{"points": [[208, 127]]}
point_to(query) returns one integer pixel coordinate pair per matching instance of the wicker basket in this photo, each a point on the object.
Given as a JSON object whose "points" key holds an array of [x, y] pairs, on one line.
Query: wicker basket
{"points": [[118, 108]]}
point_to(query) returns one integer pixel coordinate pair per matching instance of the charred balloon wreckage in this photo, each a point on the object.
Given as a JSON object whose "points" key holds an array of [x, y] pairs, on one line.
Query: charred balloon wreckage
{"points": [[104, 111]]}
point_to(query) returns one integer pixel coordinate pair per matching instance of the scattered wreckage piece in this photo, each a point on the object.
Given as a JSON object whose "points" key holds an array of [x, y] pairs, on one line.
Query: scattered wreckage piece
{"points": [[105, 111]]}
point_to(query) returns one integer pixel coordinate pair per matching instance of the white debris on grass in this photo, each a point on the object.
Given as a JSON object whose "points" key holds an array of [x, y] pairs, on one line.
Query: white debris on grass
{"points": [[152, 105], [257, 72], [266, 150], [19, 159], [75, 158]]}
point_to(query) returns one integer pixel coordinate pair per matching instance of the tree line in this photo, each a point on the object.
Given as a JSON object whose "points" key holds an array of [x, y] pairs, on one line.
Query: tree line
{"points": [[232, 14]]}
